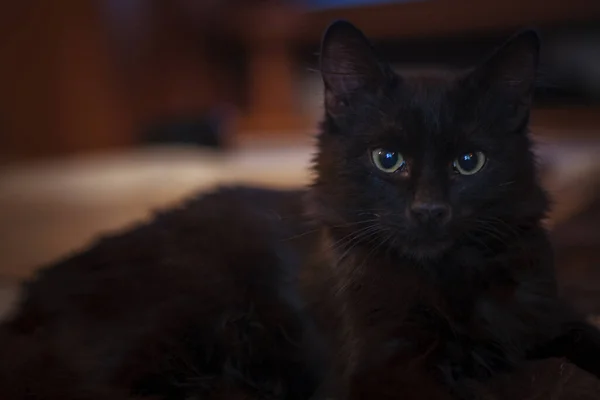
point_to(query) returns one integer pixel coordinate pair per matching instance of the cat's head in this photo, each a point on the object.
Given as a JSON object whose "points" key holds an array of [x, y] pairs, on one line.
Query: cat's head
{"points": [[417, 163]]}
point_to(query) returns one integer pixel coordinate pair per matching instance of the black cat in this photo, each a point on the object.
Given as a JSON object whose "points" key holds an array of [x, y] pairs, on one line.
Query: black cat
{"points": [[415, 266], [427, 191]]}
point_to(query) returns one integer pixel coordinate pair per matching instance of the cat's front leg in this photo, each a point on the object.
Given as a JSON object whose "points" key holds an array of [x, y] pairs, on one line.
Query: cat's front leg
{"points": [[578, 342]]}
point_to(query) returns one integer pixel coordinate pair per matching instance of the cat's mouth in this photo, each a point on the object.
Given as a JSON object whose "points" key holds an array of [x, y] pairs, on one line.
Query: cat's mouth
{"points": [[427, 250], [427, 245]]}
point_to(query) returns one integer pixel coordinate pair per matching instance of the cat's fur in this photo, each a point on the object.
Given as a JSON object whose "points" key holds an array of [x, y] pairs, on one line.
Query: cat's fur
{"points": [[334, 291]]}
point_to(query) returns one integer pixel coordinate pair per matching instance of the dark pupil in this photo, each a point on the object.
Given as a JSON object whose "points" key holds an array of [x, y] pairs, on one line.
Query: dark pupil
{"points": [[388, 159], [468, 162]]}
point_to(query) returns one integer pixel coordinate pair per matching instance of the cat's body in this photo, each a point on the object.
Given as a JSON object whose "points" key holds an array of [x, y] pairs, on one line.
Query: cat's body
{"points": [[129, 319], [146, 315], [165, 309], [415, 267]]}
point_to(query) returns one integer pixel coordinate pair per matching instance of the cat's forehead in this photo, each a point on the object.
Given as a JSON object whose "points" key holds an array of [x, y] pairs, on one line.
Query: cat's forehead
{"points": [[427, 93], [423, 104], [433, 78]]}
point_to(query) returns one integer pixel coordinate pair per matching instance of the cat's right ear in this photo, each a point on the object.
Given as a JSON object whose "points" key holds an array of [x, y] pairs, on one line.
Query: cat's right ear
{"points": [[348, 64]]}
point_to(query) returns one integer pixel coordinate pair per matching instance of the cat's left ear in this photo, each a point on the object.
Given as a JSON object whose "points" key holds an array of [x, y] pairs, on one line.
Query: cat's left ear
{"points": [[510, 72]]}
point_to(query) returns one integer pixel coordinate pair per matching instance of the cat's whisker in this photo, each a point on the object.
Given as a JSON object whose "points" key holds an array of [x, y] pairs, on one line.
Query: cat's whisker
{"points": [[507, 183], [348, 225], [351, 224], [300, 235], [355, 239], [474, 238], [489, 231], [349, 237], [498, 225], [377, 247], [363, 237]]}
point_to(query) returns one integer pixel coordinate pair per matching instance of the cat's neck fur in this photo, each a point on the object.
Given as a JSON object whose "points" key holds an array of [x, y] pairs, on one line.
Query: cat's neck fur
{"points": [[384, 296]]}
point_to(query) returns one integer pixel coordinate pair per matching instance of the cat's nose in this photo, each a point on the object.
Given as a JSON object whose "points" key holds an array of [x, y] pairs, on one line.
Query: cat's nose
{"points": [[431, 212]]}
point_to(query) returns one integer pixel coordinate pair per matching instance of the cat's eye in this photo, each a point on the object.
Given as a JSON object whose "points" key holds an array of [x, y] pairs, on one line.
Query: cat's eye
{"points": [[388, 161], [469, 163]]}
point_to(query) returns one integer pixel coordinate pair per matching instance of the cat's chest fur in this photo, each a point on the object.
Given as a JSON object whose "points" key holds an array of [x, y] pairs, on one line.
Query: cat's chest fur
{"points": [[465, 316]]}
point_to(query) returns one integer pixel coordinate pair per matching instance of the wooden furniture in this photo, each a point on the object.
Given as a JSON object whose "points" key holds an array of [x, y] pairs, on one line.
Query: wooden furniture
{"points": [[58, 87], [272, 105]]}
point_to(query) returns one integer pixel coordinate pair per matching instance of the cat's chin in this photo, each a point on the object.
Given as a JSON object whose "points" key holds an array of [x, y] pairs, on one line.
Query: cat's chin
{"points": [[426, 251]]}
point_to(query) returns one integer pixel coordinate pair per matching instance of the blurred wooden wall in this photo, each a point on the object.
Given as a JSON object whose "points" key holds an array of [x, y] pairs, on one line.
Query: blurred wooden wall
{"points": [[85, 75], [58, 92]]}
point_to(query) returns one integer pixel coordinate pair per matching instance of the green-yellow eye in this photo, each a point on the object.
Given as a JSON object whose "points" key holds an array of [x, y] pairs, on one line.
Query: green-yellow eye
{"points": [[469, 163], [388, 161]]}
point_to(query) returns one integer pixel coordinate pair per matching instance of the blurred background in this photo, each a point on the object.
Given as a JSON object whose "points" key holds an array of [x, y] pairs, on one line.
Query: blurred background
{"points": [[110, 109]]}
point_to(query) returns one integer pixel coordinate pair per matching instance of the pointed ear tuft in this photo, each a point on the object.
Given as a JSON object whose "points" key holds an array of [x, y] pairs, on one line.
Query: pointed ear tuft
{"points": [[348, 63], [512, 68]]}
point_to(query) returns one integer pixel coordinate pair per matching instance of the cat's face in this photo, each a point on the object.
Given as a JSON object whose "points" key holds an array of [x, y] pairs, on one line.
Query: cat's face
{"points": [[417, 164]]}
